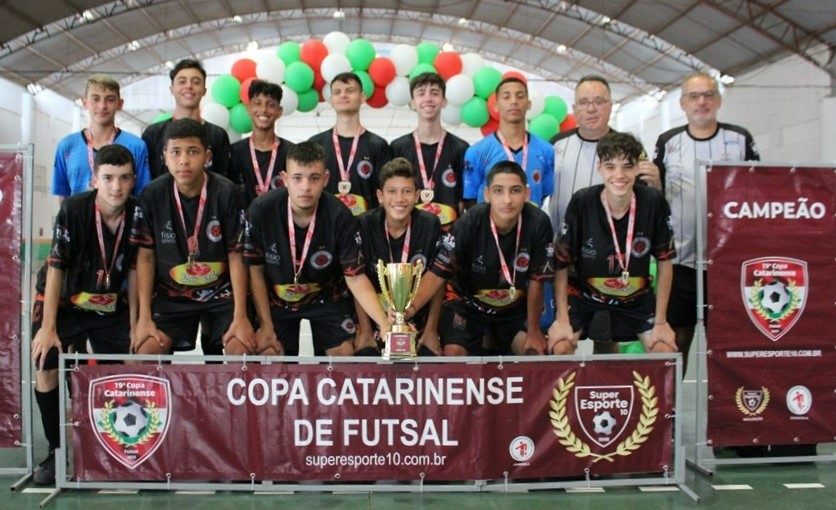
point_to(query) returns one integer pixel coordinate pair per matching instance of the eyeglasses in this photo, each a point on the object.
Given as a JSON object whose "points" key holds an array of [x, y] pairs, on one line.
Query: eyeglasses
{"points": [[708, 95], [599, 102]]}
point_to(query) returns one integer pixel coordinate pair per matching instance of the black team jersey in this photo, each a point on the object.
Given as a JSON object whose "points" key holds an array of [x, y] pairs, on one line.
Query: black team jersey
{"points": [[153, 136], [157, 226], [447, 178], [76, 251], [334, 250], [240, 169], [469, 260], [372, 153], [586, 242]]}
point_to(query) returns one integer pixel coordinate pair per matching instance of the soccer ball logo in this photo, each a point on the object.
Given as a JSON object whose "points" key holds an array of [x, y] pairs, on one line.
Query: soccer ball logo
{"points": [[130, 420], [775, 297], [604, 423]]}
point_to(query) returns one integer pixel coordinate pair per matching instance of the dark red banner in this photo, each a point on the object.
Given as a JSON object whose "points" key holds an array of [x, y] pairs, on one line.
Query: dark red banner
{"points": [[11, 179], [772, 297], [357, 422]]}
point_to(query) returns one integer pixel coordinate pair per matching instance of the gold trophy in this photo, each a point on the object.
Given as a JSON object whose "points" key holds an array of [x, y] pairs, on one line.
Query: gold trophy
{"points": [[399, 283]]}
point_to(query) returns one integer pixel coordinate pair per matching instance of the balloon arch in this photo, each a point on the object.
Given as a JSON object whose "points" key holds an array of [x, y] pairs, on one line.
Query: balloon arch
{"points": [[304, 69]]}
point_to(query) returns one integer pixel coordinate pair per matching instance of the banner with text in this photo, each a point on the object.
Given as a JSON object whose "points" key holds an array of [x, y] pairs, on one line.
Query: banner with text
{"points": [[357, 422], [11, 179], [771, 292]]}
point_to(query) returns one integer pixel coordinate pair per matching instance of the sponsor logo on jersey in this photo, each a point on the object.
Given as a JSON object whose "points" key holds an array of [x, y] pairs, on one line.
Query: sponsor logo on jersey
{"points": [[478, 265], [774, 293], [167, 235], [295, 292], [588, 249], [272, 255], [199, 274], [102, 303]]}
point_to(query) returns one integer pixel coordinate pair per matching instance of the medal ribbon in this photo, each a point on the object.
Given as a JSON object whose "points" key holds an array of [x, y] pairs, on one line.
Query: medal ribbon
{"points": [[510, 153], [192, 241], [345, 169], [99, 231], [425, 177], [88, 137], [291, 236], [506, 272], [274, 150], [405, 251], [623, 258]]}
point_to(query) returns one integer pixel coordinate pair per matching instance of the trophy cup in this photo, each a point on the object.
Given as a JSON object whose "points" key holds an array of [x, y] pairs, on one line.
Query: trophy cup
{"points": [[399, 283]]}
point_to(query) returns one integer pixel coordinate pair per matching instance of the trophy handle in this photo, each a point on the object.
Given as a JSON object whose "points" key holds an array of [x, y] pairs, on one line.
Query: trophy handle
{"points": [[418, 268], [381, 277]]}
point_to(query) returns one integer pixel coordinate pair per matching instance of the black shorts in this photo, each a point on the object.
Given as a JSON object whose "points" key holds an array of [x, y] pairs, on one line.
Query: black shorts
{"points": [[682, 305], [108, 334], [458, 325], [180, 320], [332, 323], [625, 322]]}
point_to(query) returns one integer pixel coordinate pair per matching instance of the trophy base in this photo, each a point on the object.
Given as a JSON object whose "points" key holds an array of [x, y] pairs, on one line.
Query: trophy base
{"points": [[400, 346]]}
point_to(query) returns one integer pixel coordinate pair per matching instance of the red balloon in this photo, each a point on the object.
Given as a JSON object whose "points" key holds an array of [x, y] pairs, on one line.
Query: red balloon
{"points": [[245, 90], [378, 99], [448, 64], [313, 52], [568, 123], [489, 127], [382, 71], [492, 111], [515, 74], [242, 69], [318, 81]]}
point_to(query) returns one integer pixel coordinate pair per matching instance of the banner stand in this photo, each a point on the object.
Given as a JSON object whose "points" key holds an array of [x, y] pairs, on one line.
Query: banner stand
{"points": [[673, 471], [703, 460]]}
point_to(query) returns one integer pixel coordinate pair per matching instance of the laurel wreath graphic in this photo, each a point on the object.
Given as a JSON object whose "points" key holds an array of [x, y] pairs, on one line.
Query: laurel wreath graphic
{"points": [[154, 423], [755, 300], [738, 399], [574, 444]]}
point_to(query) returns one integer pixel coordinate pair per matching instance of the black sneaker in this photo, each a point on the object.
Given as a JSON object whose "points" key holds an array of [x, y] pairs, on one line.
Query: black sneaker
{"points": [[45, 472]]}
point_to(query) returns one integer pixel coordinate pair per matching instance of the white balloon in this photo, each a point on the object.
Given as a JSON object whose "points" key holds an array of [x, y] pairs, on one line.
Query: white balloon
{"points": [[215, 113], [405, 58], [333, 65], [270, 68], [326, 93], [472, 62], [336, 42], [459, 89], [452, 115], [290, 100], [538, 102], [397, 92], [233, 136]]}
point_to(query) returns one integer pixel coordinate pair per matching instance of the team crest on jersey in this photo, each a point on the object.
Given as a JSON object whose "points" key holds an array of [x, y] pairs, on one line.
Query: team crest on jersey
{"points": [[448, 178], [535, 176], [365, 168], [213, 230], [419, 257], [349, 326], [774, 292], [641, 246], [321, 259], [521, 262], [130, 414], [751, 403], [277, 182], [550, 251]]}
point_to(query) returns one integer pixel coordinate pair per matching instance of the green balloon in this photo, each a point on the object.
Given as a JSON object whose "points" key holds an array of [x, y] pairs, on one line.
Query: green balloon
{"points": [[226, 90], [360, 53], [485, 81], [289, 52], [426, 53], [556, 107], [308, 100], [635, 347], [475, 112], [239, 119], [299, 77], [421, 69], [161, 117], [368, 83], [544, 125]]}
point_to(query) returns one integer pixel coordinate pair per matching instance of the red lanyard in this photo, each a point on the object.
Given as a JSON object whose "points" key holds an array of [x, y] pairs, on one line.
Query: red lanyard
{"points": [[510, 154], [506, 271], [623, 258], [427, 178], [345, 169], [119, 231], [89, 139], [405, 251], [291, 236], [192, 241], [262, 188]]}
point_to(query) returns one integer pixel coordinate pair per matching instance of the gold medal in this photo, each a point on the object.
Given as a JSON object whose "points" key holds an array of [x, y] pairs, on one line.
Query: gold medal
{"points": [[344, 187]]}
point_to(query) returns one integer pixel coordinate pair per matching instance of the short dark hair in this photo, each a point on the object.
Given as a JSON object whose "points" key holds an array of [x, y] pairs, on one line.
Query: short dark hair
{"points": [[397, 167], [594, 77], [115, 155], [613, 145], [424, 79], [265, 88], [187, 63], [507, 167], [511, 79], [186, 128], [306, 153], [346, 77]]}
